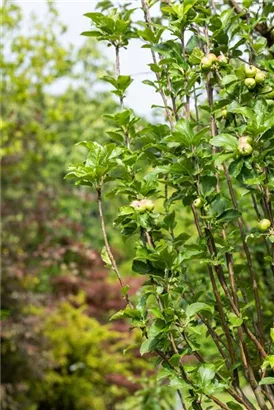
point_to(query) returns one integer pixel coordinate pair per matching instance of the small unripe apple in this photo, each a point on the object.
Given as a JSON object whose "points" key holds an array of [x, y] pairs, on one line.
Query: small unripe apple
{"points": [[222, 60], [198, 203], [260, 77], [245, 149], [250, 71], [212, 57], [264, 225], [143, 205], [224, 113], [245, 140], [148, 204], [250, 83], [208, 60], [138, 206], [206, 63]]}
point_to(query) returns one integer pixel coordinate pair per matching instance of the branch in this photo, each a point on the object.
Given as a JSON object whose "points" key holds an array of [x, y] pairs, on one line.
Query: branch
{"points": [[108, 249], [150, 26], [261, 28]]}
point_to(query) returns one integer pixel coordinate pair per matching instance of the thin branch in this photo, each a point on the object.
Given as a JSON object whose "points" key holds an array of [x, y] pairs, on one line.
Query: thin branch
{"points": [[261, 28], [248, 257], [149, 24], [108, 249]]}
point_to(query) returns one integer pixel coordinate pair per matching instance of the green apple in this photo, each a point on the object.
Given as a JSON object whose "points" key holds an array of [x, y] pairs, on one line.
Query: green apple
{"points": [[143, 205], [264, 225], [148, 204], [137, 205], [245, 149], [206, 63], [250, 71], [222, 60], [245, 140], [208, 60], [212, 57], [224, 113], [260, 77], [198, 203], [250, 83]]}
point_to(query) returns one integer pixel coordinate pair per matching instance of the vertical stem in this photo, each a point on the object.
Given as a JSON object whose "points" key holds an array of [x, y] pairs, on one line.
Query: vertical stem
{"points": [[149, 24], [248, 257], [108, 249], [217, 296], [256, 388], [118, 68], [117, 61], [235, 206], [187, 103], [118, 72]]}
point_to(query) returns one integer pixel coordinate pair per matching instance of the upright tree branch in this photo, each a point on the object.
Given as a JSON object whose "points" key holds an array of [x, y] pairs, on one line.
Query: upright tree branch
{"points": [[261, 28], [108, 248]]}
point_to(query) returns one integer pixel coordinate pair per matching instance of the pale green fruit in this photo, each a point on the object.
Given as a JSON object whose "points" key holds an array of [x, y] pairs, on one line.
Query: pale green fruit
{"points": [[198, 203], [250, 83], [245, 140], [260, 77], [143, 205], [224, 113], [250, 71], [245, 149], [206, 63], [264, 225], [212, 57], [222, 60]]}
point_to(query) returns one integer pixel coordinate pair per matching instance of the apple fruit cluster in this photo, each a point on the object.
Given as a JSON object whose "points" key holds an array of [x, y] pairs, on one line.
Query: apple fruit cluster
{"points": [[254, 76], [211, 61], [142, 205]]}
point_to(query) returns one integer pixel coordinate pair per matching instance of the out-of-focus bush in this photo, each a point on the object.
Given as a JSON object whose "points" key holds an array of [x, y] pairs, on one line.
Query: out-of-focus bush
{"points": [[56, 354]]}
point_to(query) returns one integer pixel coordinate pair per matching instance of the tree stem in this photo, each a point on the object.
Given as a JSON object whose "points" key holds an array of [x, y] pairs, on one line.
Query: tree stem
{"points": [[108, 249]]}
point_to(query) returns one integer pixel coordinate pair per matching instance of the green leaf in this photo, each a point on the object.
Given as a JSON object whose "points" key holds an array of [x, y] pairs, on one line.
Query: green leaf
{"points": [[192, 43], [125, 290], [92, 33], [225, 141], [260, 45], [157, 313], [140, 266], [148, 345], [267, 380], [234, 406], [147, 35], [197, 307], [234, 320], [196, 56], [268, 362], [229, 79], [184, 133], [207, 373], [105, 257], [247, 3], [228, 215], [127, 313], [236, 108], [208, 184]]}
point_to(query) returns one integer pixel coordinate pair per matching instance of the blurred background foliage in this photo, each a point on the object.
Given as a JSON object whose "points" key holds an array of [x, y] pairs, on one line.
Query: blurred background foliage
{"points": [[59, 351]]}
